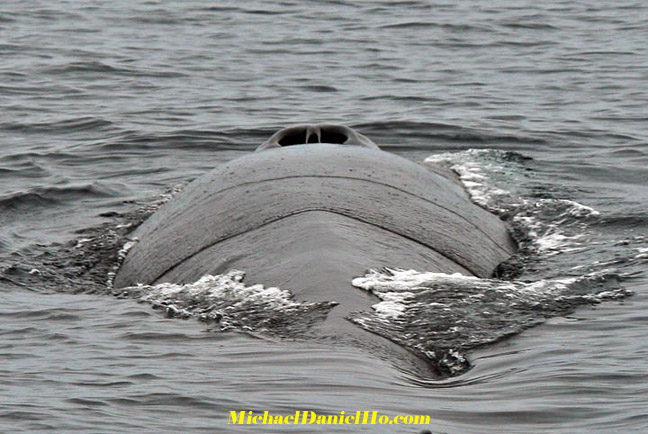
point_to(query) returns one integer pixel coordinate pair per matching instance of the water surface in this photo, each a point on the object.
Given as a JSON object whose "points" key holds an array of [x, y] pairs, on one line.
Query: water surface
{"points": [[106, 106]]}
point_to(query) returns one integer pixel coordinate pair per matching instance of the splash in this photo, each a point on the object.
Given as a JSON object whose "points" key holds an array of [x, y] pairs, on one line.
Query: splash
{"points": [[441, 316], [501, 182], [225, 301]]}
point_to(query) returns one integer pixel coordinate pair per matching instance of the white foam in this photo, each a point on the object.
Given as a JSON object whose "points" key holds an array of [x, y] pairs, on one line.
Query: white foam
{"points": [[81, 242], [223, 286], [121, 255], [393, 304], [397, 288], [472, 173], [399, 279], [476, 168], [225, 300], [642, 253]]}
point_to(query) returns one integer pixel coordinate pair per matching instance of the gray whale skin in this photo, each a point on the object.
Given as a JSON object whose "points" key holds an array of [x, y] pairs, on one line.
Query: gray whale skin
{"points": [[312, 208]]}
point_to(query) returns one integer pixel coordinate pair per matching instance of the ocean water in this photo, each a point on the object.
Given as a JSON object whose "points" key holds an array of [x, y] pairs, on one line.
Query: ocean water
{"points": [[540, 108]]}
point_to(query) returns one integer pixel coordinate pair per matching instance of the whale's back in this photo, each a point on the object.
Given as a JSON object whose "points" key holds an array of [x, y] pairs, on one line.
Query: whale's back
{"points": [[312, 201]]}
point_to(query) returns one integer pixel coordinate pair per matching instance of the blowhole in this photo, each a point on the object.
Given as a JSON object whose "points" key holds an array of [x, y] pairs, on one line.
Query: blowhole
{"points": [[296, 138], [322, 133], [333, 137], [299, 137]]}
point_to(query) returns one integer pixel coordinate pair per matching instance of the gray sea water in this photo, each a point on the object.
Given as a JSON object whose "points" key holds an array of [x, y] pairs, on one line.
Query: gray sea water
{"points": [[540, 107]]}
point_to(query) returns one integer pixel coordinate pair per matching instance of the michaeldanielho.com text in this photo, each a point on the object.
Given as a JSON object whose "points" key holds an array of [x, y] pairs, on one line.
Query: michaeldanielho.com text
{"points": [[312, 418]]}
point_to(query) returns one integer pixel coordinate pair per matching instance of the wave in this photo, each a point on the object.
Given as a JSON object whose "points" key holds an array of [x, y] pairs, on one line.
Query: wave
{"points": [[213, 140], [432, 131], [28, 169], [444, 26], [38, 197], [84, 123], [97, 67]]}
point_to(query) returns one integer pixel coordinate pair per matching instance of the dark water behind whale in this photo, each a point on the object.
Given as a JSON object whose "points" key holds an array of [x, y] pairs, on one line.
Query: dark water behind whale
{"points": [[104, 107]]}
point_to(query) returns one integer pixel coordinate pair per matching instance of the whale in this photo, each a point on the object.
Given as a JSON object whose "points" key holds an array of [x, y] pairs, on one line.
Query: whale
{"points": [[312, 208]]}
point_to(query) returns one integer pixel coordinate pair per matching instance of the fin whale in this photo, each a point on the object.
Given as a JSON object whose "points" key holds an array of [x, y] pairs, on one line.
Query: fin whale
{"points": [[312, 208]]}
